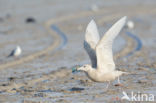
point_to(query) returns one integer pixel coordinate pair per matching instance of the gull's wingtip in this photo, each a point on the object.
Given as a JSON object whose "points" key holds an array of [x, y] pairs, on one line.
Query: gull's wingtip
{"points": [[91, 25], [121, 22], [124, 18], [92, 22]]}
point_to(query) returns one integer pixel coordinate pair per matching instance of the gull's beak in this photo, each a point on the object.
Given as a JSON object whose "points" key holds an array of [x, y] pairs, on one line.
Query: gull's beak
{"points": [[75, 69]]}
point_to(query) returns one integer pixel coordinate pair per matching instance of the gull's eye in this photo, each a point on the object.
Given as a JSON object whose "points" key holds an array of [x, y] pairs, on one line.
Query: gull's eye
{"points": [[84, 66]]}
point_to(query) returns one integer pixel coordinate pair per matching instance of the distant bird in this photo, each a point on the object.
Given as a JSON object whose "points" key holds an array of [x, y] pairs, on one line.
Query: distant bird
{"points": [[100, 53], [130, 24], [16, 52], [94, 8]]}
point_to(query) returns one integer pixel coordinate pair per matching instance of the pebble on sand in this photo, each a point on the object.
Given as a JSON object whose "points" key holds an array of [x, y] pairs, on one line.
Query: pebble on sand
{"points": [[30, 20]]}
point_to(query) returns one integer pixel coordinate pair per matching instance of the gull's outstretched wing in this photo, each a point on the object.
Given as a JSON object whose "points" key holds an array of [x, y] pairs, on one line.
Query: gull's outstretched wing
{"points": [[104, 54], [91, 39]]}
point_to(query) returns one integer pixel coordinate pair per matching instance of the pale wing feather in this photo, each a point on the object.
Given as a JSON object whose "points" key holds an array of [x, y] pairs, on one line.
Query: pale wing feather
{"points": [[105, 62], [91, 40]]}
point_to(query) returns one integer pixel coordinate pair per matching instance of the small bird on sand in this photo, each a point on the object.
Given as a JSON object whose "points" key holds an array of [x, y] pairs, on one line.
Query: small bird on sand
{"points": [[102, 68], [16, 52]]}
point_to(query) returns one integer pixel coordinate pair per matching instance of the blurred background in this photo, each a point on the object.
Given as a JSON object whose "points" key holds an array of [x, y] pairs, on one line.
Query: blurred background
{"points": [[42, 40]]}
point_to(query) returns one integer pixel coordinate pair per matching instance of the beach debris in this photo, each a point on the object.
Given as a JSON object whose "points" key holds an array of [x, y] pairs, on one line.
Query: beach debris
{"points": [[142, 81], [30, 20], [130, 24], [76, 89], [11, 78]]}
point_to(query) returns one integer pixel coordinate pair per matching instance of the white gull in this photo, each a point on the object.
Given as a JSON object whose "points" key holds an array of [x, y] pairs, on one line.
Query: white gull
{"points": [[100, 53], [16, 52]]}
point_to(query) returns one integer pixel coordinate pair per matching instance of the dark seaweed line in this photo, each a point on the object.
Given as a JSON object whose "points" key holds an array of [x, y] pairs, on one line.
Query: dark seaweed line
{"points": [[138, 41], [61, 34]]}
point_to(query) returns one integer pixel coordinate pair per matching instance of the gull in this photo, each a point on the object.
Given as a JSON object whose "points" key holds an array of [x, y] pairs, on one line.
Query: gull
{"points": [[102, 68], [16, 52]]}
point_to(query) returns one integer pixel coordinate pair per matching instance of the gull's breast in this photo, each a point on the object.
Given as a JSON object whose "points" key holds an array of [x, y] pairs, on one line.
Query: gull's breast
{"points": [[101, 77]]}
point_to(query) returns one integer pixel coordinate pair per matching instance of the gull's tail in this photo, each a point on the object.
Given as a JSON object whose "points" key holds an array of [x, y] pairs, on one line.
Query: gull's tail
{"points": [[125, 73]]}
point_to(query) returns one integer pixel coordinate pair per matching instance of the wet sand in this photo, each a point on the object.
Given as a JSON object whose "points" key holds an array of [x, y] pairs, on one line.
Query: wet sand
{"points": [[53, 45]]}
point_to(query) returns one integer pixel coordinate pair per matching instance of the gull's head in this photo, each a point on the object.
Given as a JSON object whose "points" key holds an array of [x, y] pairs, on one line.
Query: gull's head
{"points": [[85, 68]]}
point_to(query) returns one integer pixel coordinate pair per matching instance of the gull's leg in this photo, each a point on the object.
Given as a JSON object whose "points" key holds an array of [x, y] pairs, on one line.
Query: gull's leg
{"points": [[108, 85], [119, 80], [118, 84]]}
